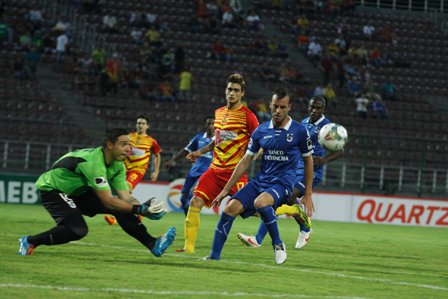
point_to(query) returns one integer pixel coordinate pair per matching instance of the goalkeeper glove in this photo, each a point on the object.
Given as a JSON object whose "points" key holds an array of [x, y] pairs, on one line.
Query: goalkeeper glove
{"points": [[151, 208]]}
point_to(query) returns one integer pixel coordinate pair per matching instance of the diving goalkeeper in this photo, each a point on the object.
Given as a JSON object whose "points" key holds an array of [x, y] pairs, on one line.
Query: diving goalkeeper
{"points": [[78, 184]]}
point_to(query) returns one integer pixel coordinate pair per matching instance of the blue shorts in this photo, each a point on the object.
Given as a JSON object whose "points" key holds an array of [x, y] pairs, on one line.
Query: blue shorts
{"points": [[299, 182], [190, 181], [253, 189]]}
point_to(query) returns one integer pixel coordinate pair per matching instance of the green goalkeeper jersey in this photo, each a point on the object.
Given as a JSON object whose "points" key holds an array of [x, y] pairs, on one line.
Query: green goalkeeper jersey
{"points": [[81, 170]]}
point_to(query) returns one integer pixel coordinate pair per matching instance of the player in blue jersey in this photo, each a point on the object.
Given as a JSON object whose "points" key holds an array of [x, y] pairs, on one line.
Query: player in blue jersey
{"points": [[284, 142], [314, 122], [201, 164]]}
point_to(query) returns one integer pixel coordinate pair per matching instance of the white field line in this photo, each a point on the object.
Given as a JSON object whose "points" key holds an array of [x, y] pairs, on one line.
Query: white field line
{"points": [[163, 293], [283, 267]]}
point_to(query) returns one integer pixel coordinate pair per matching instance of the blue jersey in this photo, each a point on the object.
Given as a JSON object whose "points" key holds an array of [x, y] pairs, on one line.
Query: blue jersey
{"points": [[282, 150], [203, 162], [313, 129]]}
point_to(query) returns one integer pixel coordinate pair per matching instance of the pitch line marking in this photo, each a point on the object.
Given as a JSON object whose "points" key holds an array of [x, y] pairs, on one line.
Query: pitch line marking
{"points": [[334, 274], [166, 293]]}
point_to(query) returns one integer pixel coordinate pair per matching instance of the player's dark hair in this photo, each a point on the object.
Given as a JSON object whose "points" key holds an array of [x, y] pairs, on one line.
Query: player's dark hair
{"points": [[319, 99], [111, 135], [237, 79], [281, 92], [143, 117]]}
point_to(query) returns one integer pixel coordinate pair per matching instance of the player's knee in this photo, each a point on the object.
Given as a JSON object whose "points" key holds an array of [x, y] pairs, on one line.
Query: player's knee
{"points": [[80, 232], [234, 208], [197, 202]]}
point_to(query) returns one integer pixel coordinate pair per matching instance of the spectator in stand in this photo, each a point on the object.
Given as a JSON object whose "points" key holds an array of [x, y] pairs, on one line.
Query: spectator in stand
{"points": [[361, 55], [153, 36], [261, 110], [36, 19], [166, 91], [99, 58], [330, 95], [61, 25], [353, 87], [109, 23], [61, 46], [314, 51], [236, 6], [137, 34], [375, 57], [202, 10], [227, 19], [185, 80], [32, 61], [25, 41], [389, 91], [318, 91], [303, 41], [221, 52], [379, 107], [152, 20], [388, 34], [197, 25], [113, 71], [253, 20], [303, 23], [368, 31], [361, 106], [341, 44]]}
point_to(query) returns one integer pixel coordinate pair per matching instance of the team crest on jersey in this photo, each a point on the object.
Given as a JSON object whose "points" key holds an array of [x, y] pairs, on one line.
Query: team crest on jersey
{"points": [[100, 181], [289, 137]]}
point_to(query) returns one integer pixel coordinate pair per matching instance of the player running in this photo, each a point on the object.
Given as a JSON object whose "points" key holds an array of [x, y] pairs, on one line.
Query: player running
{"points": [[201, 164], [284, 142], [137, 163], [314, 122], [234, 123]]}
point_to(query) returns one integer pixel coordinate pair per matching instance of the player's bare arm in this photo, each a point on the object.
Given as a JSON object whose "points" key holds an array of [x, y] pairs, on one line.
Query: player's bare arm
{"points": [[331, 156], [170, 163], [239, 171], [155, 174], [126, 196], [112, 202], [196, 154], [307, 199]]}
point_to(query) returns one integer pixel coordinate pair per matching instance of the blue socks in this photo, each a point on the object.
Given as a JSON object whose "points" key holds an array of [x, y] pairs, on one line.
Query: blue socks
{"points": [[262, 231], [221, 232], [269, 218]]}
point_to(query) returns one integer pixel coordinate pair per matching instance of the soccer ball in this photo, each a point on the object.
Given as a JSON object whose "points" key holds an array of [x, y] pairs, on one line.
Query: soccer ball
{"points": [[333, 137]]}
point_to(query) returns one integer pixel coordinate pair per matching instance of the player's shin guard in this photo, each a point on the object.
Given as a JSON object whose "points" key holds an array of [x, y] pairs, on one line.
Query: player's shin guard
{"points": [[191, 228], [269, 218], [221, 232]]}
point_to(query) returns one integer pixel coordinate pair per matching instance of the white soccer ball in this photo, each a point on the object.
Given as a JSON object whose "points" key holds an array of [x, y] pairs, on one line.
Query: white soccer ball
{"points": [[333, 137]]}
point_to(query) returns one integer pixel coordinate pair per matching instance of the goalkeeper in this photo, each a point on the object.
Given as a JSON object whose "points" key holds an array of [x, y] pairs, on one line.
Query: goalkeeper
{"points": [[80, 183]]}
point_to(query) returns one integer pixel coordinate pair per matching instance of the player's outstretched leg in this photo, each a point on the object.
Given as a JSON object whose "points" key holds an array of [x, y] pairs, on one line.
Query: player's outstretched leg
{"points": [[250, 241], [163, 242], [25, 248], [305, 227]]}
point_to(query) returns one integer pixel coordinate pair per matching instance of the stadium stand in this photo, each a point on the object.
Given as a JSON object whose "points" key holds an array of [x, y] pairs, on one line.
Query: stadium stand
{"points": [[419, 73]]}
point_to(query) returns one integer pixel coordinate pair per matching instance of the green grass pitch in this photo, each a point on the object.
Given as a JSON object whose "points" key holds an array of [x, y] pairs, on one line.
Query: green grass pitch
{"points": [[342, 260]]}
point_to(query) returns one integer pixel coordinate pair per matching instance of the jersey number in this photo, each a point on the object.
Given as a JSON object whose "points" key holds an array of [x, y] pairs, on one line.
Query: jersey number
{"points": [[68, 200]]}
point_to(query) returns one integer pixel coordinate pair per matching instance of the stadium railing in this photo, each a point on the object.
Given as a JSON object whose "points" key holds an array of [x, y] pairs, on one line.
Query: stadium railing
{"points": [[375, 172]]}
